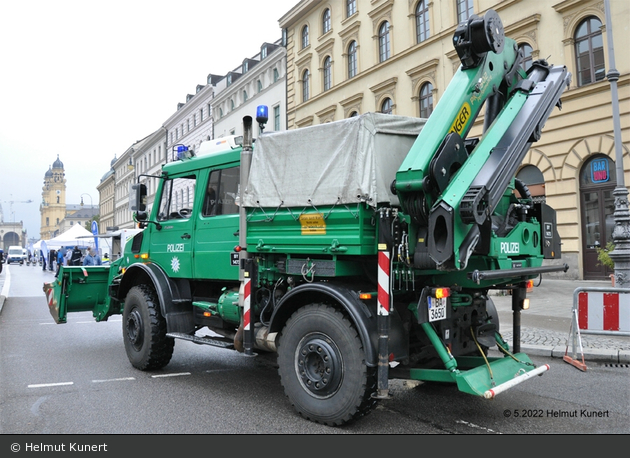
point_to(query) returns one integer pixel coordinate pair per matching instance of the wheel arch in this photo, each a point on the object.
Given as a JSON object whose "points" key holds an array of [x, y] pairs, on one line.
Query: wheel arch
{"points": [[361, 316], [179, 318]]}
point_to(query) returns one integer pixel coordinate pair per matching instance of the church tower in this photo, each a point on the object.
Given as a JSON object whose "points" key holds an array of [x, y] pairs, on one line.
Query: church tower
{"points": [[53, 206]]}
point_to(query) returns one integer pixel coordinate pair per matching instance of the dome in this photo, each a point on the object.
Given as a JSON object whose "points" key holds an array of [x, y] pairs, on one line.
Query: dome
{"points": [[109, 173], [113, 161], [57, 164], [48, 173]]}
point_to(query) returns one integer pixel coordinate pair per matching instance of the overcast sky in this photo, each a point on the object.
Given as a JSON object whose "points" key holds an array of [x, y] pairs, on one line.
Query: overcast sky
{"points": [[85, 79]]}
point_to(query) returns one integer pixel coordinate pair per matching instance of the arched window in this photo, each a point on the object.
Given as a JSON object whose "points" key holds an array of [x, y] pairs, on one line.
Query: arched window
{"points": [[426, 100], [326, 21], [352, 59], [387, 106], [589, 51], [526, 50], [354, 114], [327, 73], [422, 22], [305, 85], [304, 36], [384, 49]]}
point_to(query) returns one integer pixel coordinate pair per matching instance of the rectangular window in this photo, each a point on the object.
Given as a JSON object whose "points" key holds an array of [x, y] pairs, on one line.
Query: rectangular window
{"points": [[222, 192], [276, 118], [464, 10], [351, 7]]}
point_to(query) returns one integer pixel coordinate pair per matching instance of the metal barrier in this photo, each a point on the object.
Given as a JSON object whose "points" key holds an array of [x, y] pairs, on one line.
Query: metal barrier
{"points": [[605, 312], [602, 311]]}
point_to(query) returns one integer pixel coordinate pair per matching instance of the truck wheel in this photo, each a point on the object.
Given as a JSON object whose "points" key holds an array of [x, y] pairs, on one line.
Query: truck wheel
{"points": [[144, 330], [322, 367]]}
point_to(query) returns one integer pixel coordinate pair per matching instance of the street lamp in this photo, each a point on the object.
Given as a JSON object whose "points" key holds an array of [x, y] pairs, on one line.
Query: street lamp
{"points": [[621, 233], [86, 194]]}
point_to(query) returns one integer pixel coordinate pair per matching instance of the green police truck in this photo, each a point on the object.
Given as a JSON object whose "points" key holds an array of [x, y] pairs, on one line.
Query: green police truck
{"points": [[358, 251]]}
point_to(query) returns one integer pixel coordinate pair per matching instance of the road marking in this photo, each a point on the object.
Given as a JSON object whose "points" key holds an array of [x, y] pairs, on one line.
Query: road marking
{"points": [[472, 425], [122, 379], [170, 375], [44, 385]]}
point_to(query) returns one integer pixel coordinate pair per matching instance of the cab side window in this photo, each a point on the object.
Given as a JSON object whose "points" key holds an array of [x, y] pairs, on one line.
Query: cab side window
{"points": [[222, 192], [177, 198]]}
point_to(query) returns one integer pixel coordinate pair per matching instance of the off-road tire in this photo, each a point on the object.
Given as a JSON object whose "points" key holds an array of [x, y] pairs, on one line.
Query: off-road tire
{"points": [[144, 330], [321, 362]]}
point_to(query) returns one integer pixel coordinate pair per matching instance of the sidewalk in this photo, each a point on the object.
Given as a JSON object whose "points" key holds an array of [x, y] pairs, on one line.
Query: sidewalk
{"points": [[5, 280], [545, 327]]}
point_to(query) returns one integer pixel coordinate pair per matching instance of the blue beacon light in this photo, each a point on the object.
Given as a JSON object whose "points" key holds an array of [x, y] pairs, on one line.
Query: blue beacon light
{"points": [[262, 116]]}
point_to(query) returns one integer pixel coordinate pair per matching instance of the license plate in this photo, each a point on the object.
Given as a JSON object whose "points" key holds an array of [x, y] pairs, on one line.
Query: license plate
{"points": [[437, 308]]}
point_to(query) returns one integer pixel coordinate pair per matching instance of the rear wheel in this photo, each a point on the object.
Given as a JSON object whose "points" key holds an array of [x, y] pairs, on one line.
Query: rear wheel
{"points": [[144, 330], [322, 366]]}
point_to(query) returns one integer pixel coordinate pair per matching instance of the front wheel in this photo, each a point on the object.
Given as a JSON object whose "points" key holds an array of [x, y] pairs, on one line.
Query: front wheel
{"points": [[322, 366], [144, 330]]}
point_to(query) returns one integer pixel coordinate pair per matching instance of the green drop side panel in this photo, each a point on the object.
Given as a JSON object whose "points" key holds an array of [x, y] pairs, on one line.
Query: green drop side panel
{"points": [[341, 230]]}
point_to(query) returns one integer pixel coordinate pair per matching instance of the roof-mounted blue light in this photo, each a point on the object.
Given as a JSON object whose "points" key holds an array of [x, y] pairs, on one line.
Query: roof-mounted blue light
{"points": [[184, 152], [262, 114]]}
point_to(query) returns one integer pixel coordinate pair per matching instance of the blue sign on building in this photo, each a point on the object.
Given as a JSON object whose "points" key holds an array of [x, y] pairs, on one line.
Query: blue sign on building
{"points": [[599, 171]]}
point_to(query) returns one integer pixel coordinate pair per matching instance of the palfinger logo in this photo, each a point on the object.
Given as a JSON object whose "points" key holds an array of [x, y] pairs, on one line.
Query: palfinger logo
{"points": [[462, 118], [15, 447]]}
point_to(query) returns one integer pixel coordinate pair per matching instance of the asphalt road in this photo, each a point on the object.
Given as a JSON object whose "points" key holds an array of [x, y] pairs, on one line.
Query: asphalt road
{"points": [[75, 379]]}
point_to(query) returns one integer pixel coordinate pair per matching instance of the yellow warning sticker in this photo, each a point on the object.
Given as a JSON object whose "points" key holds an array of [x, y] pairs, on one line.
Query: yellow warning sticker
{"points": [[313, 224], [462, 118]]}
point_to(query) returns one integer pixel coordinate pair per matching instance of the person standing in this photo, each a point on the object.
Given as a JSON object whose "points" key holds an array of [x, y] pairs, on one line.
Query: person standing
{"points": [[75, 260], [92, 259]]}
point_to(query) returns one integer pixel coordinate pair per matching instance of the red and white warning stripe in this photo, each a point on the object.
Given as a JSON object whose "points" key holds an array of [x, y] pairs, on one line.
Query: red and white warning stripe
{"points": [[598, 311], [247, 290], [383, 283]]}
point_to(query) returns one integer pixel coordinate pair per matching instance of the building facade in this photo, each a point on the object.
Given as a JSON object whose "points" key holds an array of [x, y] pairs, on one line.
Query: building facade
{"points": [[347, 57], [259, 80]]}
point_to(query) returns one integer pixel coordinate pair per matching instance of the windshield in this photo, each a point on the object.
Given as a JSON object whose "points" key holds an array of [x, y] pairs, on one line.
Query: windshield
{"points": [[16, 251]]}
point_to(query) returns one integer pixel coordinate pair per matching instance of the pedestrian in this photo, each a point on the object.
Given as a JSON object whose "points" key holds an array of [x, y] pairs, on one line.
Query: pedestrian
{"points": [[67, 257], [43, 259], [51, 259], [75, 260], [60, 260], [92, 259]]}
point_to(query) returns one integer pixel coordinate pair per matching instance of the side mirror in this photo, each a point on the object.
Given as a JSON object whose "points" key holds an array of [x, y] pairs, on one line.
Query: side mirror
{"points": [[138, 201]]}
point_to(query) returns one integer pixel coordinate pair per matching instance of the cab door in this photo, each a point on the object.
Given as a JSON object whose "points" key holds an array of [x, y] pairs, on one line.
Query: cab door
{"points": [[172, 243], [217, 226]]}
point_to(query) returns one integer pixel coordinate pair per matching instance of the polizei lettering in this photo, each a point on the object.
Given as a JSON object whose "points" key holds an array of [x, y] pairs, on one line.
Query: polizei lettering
{"points": [[510, 248], [462, 118], [174, 247]]}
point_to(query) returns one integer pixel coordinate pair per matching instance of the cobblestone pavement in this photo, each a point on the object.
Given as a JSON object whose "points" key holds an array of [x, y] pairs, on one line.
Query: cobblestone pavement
{"points": [[547, 338]]}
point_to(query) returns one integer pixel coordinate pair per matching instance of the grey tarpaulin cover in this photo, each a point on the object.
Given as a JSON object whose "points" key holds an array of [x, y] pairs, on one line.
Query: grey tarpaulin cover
{"points": [[342, 162]]}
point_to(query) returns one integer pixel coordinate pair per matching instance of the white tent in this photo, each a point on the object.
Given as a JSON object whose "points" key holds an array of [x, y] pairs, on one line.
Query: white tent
{"points": [[75, 236]]}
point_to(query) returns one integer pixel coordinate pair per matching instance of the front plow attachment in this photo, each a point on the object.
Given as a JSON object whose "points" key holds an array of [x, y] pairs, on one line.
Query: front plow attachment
{"points": [[88, 285]]}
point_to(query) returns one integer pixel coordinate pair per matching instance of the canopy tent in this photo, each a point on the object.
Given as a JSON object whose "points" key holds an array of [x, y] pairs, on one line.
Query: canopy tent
{"points": [[75, 236]]}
